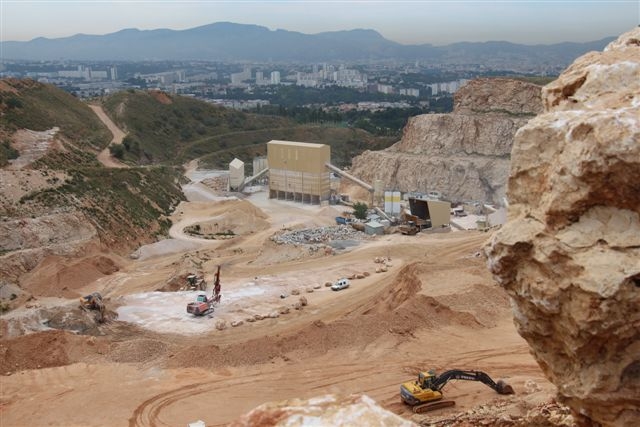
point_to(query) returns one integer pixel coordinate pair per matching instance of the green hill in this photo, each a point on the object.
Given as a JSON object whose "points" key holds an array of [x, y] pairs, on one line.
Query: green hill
{"points": [[173, 129], [27, 104], [126, 206]]}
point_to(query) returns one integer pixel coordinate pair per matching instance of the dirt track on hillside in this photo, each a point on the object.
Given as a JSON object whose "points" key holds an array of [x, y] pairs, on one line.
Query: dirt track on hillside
{"points": [[105, 156], [435, 308]]}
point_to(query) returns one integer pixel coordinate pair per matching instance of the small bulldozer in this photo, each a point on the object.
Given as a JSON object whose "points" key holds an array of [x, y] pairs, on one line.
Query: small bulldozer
{"points": [[409, 229], [94, 302], [196, 283]]}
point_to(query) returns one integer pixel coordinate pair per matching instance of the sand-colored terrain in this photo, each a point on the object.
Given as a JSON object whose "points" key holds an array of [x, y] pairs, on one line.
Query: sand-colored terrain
{"points": [[435, 307]]}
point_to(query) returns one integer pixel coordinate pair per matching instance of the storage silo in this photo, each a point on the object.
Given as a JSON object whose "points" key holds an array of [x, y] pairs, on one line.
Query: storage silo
{"points": [[236, 174], [259, 164], [392, 202], [378, 192]]}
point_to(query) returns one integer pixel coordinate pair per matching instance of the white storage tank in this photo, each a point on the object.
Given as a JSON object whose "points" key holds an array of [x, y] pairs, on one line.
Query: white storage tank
{"points": [[236, 174], [259, 164]]}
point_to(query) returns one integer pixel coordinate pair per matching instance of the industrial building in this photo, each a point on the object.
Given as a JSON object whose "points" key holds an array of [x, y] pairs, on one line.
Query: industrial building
{"points": [[298, 171]]}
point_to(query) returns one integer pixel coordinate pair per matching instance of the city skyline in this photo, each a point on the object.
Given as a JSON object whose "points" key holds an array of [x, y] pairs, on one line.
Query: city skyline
{"points": [[405, 22]]}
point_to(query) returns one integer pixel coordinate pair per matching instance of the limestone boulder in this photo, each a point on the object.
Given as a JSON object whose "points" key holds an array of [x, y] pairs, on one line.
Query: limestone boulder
{"points": [[569, 255], [329, 410]]}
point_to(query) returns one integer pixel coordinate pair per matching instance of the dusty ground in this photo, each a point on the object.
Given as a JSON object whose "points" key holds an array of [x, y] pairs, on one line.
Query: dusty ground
{"points": [[435, 308]]}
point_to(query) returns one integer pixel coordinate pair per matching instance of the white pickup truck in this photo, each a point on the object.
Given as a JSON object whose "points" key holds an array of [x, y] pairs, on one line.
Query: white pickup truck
{"points": [[340, 284]]}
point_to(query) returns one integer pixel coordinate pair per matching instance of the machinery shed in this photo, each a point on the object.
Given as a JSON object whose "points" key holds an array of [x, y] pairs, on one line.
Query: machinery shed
{"points": [[298, 172], [373, 227], [434, 211]]}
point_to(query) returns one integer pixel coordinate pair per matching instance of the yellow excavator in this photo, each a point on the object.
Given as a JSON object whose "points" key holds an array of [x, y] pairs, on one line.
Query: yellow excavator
{"points": [[425, 394], [94, 302]]}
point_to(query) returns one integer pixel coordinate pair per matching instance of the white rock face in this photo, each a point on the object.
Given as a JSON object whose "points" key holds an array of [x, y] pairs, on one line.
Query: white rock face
{"points": [[326, 410], [569, 256], [464, 155]]}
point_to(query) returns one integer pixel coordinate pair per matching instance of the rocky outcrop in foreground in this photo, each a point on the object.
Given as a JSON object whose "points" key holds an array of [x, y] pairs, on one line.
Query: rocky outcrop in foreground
{"points": [[569, 256], [326, 410], [464, 155]]}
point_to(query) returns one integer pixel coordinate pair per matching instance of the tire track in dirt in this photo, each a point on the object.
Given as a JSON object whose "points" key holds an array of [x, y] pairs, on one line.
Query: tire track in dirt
{"points": [[149, 412]]}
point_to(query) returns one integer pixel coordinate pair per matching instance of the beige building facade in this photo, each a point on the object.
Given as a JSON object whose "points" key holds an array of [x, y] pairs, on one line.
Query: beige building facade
{"points": [[297, 171]]}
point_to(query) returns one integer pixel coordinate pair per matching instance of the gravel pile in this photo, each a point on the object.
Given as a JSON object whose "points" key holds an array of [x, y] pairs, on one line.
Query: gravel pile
{"points": [[500, 414], [310, 236], [136, 351]]}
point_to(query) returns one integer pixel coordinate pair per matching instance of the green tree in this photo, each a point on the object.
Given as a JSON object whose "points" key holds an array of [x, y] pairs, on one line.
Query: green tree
{"points": [[360, 210], [14, 103], [117, 151]]}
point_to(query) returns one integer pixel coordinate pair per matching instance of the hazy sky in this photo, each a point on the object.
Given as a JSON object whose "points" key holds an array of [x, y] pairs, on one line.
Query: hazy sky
{"points": [[407, 22]]}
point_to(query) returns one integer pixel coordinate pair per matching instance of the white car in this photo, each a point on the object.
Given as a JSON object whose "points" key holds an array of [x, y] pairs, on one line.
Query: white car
{"points": [[340, 284]]}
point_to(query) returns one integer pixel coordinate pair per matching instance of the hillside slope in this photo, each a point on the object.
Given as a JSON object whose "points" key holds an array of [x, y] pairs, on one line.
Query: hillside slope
{"points": [[170, 129], [27, 104], [57, 200]]}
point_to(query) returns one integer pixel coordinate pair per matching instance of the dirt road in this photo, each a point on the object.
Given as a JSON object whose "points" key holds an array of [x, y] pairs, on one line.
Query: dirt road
{"points": [[105, 156], [436, 307]]}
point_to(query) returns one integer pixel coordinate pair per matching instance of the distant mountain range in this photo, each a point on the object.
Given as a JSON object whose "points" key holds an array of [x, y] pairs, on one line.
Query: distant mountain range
{"points": [[224, 41]]}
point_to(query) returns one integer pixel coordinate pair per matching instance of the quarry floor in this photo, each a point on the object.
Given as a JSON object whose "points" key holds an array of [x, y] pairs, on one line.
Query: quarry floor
{"points": [[436, 307]]}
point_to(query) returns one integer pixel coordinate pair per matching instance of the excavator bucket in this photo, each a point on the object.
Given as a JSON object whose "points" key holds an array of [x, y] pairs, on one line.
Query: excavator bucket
{"points": [[503, 388]]}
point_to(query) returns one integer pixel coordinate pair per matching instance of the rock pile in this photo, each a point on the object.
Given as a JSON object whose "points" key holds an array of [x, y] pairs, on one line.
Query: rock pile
{"points": [[569, 256], [219, 184], [310, 236], [500, 414]]}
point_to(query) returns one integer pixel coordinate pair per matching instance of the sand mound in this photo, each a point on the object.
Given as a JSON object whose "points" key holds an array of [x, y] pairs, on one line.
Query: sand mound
{"points": [[61, 277], [26, 352], [406, 285], [236, 221], [412, 307]]}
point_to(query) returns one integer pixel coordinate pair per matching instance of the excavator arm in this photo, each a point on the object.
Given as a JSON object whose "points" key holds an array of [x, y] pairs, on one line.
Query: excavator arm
{"points": [[439, 381]]}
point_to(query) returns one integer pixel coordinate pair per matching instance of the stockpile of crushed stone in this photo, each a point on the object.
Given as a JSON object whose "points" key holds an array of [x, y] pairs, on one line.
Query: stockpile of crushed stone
{"points": [[137, 350], [310, 236]]}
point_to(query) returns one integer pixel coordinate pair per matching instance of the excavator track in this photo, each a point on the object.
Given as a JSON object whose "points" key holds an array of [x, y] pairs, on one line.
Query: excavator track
{"points": [[432, 406]]}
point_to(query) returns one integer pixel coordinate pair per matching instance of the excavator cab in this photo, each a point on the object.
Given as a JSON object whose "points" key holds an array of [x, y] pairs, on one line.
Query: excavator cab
{"points": [[425, 378]]}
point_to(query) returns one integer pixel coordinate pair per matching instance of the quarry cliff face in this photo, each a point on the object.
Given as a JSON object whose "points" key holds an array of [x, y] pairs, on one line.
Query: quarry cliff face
{"points": [[464, 155], [569, 256]]}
